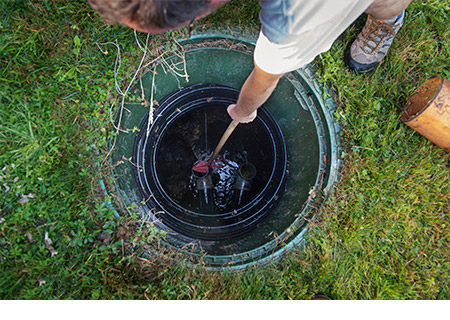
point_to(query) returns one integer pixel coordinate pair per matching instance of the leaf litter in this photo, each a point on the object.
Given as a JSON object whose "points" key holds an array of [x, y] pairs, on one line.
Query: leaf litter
{"points": [[48, 244]]}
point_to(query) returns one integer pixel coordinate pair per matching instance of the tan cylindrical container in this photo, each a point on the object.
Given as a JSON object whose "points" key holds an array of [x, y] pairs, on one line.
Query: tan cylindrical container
{"points": [[428, 111]]}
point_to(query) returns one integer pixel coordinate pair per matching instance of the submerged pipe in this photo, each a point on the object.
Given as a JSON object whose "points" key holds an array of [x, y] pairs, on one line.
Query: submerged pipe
{"points": [[243, 182], [204, 185]]}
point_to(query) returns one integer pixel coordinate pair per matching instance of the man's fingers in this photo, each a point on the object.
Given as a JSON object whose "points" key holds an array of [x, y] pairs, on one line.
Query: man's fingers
{"points": [[234, 114]]}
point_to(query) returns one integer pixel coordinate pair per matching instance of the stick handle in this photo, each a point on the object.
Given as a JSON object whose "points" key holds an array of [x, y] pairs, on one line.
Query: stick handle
{"points": [[224, 139]]}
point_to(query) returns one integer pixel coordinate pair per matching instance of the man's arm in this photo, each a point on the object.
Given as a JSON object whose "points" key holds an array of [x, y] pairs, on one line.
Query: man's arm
{"points": [[256, 90]]}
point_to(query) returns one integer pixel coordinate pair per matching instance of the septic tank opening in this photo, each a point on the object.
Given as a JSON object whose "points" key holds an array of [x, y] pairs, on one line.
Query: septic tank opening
{"points": [[243, 184], [296, 158]]}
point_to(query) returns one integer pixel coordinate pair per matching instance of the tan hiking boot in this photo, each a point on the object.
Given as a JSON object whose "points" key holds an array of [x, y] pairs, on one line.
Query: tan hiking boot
{"points": [[373, 43]]}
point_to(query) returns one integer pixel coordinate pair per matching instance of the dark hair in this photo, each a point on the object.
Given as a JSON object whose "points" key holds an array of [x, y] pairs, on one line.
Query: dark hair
{"points": [[160, 13]]}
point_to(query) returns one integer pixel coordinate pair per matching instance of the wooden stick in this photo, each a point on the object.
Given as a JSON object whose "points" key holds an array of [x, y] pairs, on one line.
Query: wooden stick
{"points": [[224, 139]]}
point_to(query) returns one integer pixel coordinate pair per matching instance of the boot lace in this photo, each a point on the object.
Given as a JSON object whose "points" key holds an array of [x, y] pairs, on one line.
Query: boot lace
{"points": [[374, 34]]}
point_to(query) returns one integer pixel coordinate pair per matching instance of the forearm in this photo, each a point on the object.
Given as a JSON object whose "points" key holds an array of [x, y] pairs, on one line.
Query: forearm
{"points": [[256, 90]]}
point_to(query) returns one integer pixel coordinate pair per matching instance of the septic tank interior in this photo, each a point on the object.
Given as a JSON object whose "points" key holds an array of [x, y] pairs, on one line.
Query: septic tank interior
{"points": [[291, 152]]}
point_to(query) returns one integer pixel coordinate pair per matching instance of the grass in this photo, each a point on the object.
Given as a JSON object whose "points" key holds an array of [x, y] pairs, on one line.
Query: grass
{"points": [[382, 234]]}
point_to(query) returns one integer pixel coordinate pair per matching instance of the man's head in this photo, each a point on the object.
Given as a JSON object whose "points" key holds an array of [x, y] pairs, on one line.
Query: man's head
{"points": [[154, 16]]}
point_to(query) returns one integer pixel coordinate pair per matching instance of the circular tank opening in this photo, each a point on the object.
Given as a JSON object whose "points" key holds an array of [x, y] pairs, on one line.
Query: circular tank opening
{"points": [[291, 149], [241, 187]]}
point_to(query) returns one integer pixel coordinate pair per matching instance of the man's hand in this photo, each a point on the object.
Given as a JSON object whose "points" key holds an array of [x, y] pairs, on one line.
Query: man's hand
{"points": [[242, 118], [256, 90]]}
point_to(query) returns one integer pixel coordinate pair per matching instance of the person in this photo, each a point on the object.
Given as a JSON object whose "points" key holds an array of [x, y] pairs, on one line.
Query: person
{"points": [[293, 33]]}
